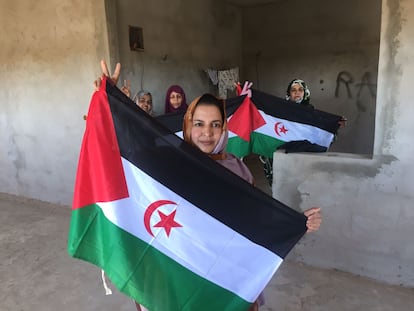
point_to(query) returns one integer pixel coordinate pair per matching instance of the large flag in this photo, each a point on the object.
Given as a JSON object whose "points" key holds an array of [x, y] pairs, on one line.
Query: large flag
{"points": [[171, 228], [264, 123]]}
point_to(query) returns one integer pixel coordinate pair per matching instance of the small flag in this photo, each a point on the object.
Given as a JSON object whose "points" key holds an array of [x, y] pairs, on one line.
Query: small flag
{"points": [[269, 123]]}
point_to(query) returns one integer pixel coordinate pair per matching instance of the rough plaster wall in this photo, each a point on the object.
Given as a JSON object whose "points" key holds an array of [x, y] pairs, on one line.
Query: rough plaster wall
{"points": [[332, 45], [181, 39], [367, 203], [49, 58]]}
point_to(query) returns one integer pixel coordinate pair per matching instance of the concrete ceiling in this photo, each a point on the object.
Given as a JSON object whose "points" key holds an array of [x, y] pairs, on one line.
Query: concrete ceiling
{"points": [[247, 3]]}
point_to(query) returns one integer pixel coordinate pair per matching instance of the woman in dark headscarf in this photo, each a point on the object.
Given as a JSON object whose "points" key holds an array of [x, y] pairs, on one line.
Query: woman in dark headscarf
{"points": [[175, 99]]}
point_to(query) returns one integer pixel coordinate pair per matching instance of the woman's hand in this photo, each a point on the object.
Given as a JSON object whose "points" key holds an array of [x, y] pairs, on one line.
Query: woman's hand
{"points": [[105, 73], [342, 122], [314, 219], [126, 88], [246, 90]]}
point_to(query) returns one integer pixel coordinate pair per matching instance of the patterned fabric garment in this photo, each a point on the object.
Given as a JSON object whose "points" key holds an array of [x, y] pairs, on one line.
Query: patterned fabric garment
{"points": [[226, 81], [267, 168], [213, 75]]}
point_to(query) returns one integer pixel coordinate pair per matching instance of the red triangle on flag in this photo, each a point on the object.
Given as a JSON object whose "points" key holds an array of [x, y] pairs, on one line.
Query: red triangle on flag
{"points": [[100, 176], [245, 120]]}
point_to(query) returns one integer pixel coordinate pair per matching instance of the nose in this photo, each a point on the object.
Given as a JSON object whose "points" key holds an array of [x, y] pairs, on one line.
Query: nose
{"points": [[207, 131]]}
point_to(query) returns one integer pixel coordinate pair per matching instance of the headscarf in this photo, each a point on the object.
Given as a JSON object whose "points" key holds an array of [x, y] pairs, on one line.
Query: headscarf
{"points": [[168, 107], [188, 124], [219, 154], [141, 94], [306, 95]]}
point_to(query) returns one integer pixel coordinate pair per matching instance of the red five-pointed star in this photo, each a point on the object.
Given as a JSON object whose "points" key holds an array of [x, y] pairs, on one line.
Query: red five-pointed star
{"points": [[167, 222], [283, 129]]}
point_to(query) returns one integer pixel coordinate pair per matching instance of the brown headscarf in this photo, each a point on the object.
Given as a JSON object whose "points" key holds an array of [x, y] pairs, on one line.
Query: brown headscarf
{"points": [[219, 154]]}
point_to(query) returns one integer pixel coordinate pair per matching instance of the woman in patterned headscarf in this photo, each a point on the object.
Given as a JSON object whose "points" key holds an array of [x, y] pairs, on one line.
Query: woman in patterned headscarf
{"points": [[143, 99], [298, 92], [175, 99]]}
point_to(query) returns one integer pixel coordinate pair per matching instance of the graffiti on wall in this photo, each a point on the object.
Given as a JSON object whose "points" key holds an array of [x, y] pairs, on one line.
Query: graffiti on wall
{"points": [[344, 80]]}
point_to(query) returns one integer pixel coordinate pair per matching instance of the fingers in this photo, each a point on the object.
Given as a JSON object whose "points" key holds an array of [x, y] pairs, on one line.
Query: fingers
{"points": [[311, 211], [127, 84], [246, 89], [97, 84], [314, 220], [117, 72], [115, 75], [104, 68]]}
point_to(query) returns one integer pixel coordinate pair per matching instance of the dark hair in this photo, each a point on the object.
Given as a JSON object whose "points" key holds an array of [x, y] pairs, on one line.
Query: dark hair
{"points": [[211, 100]]}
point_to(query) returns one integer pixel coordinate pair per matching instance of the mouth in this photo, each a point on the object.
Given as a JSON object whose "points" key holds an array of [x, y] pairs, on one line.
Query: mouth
{"points": [[206, 142]]}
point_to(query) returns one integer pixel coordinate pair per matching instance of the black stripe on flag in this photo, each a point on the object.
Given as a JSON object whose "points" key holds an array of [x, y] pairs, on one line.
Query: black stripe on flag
{"points": [[194, 176], [271, 105], [279, 107]]}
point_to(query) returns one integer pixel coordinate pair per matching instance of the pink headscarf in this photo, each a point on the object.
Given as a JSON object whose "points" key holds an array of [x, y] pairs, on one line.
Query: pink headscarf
{"points": [[219, 154], [168, 107]]}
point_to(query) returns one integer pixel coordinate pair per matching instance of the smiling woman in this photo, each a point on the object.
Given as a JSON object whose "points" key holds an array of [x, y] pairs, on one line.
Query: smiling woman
{"points": [[298, 92]]}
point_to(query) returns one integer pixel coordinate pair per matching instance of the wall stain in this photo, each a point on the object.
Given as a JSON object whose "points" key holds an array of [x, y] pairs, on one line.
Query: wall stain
{"points": [[393, 70]]}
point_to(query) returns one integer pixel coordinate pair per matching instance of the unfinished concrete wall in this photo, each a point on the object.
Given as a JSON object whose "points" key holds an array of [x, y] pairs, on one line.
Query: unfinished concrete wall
{"points": [[49, 57], [367, 203], [332, 45], [181, 39]]}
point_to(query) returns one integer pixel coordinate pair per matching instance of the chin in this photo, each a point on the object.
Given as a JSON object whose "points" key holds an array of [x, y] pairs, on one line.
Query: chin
{"points": [[205, 150]]}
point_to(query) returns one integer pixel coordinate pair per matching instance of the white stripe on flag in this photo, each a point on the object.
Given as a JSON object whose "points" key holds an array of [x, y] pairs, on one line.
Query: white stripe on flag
{"points": [[295, 131], [203, 245]]}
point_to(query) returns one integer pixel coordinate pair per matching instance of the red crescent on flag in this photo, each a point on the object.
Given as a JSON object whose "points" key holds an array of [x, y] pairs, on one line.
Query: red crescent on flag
{"points": [[277, 129], [151, 209]]}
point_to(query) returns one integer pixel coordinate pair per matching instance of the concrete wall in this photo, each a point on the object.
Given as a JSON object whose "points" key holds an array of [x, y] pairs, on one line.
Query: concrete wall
{"points": [[181, 39], [367, 203], [332, 45], [49, 57]]}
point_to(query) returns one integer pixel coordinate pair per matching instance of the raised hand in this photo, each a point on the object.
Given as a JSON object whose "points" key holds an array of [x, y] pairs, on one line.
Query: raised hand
{"points": [[105, 73], [245, 90], [126, 88]]}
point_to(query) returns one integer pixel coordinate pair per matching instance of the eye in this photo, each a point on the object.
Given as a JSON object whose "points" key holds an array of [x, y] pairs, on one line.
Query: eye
{"points": [[197, 123], [217, 124]]}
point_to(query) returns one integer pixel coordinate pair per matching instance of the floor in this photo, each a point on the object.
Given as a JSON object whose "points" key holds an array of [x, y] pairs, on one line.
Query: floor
{"points": [[38, 275]]}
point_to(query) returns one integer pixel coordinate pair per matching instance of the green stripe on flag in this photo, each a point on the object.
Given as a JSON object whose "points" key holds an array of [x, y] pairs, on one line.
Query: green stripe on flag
{"points": [[264, 144], [139, 270], [261, 144], [238, 146]]}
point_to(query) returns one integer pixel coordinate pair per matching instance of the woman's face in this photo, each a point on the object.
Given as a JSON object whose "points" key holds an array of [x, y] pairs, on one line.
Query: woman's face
{"points": [[296, 92], [207, 127], [145, 103], [176, 99]]}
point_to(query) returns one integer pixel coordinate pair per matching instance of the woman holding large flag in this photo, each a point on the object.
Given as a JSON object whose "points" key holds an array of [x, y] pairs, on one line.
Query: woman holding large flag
{"points": [[205, 127]]}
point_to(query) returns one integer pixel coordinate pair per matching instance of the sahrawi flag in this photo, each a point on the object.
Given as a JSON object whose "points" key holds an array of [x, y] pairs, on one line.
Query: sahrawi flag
{"points": [[264, 123], [171, 228]]}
